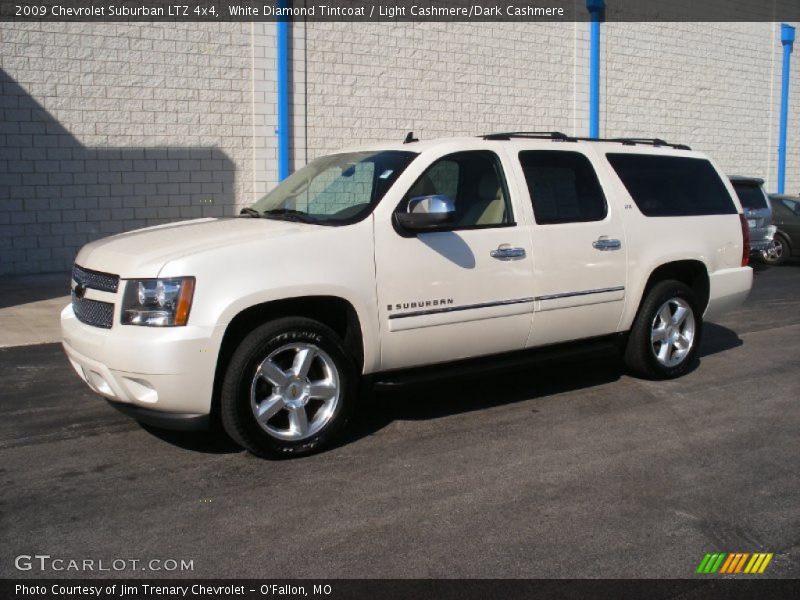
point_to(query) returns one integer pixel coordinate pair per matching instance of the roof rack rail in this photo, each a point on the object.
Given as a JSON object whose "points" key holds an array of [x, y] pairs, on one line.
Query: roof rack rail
{"points": [[650, 141], [557, 135], [544, 135]]}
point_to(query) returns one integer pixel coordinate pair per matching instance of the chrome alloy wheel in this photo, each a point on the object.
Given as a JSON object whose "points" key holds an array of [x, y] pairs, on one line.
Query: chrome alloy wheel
{"points": [[672, 332], [774, 251], [295, 391]]}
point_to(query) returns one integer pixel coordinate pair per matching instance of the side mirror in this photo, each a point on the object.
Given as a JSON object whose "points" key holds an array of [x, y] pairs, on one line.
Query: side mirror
{"points": [[426, 212]]}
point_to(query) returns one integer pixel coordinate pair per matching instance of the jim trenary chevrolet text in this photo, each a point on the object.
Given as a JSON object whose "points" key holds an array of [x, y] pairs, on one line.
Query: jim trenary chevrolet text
{"points": [[416, 257]]}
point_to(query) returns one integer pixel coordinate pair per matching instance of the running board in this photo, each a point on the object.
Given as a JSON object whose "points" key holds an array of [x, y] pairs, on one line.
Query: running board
{"points": [[567, 352]]}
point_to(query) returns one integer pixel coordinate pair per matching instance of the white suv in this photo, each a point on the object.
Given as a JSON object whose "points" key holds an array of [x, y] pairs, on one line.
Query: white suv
{"points": [[373, 263]]}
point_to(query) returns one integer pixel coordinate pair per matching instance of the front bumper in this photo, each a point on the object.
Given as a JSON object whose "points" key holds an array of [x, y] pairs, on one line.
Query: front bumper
{"points": [[146, 371]]}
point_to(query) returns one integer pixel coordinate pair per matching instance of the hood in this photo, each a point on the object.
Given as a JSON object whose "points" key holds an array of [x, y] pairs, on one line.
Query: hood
{"points": [[144, 252]]}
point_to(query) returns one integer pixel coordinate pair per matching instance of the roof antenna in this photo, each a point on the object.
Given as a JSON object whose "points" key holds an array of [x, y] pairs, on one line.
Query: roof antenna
{"points": [[410, 138]]}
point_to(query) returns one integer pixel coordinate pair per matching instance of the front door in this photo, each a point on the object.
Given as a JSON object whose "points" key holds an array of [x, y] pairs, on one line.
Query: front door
{"points": [[465, 289]]}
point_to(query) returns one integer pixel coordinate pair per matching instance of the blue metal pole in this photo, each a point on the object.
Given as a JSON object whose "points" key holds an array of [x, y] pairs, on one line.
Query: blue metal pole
{"points": [[282, 129], [595, 8], [787, 39]]}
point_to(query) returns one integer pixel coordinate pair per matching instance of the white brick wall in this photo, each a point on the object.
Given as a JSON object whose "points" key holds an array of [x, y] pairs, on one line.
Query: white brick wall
{"points": [[378, 81], [109, 127], [264, 84], [714, 86], [265, 147]]}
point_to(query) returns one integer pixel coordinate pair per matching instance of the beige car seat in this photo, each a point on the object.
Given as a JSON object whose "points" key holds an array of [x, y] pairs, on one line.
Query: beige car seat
{"points": [[490, 207]]}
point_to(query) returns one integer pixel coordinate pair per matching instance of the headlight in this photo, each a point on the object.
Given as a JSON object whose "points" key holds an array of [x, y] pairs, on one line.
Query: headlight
{"points": [[157, 302]]}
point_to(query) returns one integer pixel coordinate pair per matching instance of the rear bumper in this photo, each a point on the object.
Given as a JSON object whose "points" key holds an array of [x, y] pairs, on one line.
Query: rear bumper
{"points": [[763, 239], [728, 288], [760, 245]]}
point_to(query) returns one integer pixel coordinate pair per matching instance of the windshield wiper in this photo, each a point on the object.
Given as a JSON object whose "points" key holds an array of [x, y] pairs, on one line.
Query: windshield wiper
{"points": [[250, 212], [288, 214]]}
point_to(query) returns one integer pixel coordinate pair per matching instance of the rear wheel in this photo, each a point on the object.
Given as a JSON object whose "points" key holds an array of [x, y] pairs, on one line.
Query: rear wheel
{"points": [[776, 253], [666, 333], [289, 389]]}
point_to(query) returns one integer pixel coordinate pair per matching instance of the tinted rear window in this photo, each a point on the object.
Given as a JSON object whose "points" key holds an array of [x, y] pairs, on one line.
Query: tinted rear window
{"points": [[671, 186], [563, 187], [750, 195]]}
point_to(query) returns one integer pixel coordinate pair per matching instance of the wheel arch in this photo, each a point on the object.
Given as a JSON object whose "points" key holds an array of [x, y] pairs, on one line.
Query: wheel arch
{"points": [[335, 312], [787, 239], [691, 272]]}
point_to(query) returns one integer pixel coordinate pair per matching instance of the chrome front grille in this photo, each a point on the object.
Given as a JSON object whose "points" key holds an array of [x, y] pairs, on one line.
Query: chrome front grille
{"points": [[95, 280], [93, 312]]}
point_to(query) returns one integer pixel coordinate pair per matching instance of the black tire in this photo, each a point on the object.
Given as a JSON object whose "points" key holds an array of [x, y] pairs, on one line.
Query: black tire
{"points": [[779, 256], [640, 352], [236, 408]]}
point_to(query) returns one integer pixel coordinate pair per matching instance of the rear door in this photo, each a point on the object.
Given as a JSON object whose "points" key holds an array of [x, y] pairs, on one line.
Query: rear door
{"points": [[578, 244]]}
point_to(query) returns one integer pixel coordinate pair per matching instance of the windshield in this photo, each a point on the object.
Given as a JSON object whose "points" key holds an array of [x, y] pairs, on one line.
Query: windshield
{"points": [[750, 195], [335, 189]]}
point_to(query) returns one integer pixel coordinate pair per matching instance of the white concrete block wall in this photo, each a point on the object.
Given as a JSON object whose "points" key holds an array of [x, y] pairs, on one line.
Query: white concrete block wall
{"points": [[377, 81], [111, 127], [265, 118], [714, 86], [264, 85]]}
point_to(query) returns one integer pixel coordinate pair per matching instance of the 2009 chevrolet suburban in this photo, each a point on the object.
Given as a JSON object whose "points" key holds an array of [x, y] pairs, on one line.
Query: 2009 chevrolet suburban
{"points": [[386, 258]]}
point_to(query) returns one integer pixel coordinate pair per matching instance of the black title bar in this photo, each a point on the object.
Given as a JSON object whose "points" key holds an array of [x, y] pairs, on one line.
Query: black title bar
{"points": [[403, 589], [400, 10]]}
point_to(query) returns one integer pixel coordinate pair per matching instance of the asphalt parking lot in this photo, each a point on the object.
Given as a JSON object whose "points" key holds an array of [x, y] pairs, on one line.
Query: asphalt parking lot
{"points": [[574, 471]]}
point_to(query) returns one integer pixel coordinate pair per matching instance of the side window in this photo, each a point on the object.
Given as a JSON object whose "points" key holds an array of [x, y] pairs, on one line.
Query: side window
{"points": [[563, 187], [790, 206], [443, 178], [475, 183], [672, 186], [781, 207]]}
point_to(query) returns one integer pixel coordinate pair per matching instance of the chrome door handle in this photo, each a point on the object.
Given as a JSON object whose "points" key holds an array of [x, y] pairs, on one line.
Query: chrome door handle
{"points": [[506, 252], [606, 244]]}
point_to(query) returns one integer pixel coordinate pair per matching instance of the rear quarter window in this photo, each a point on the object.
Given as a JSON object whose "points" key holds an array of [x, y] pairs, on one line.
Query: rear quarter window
{"points": [[672, 186]]}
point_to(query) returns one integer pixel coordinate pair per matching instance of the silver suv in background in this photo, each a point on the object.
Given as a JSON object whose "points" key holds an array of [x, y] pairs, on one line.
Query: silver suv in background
{"points": [[757, 211]]}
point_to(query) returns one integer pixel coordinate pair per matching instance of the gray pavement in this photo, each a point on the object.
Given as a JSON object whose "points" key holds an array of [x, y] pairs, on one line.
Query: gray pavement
{"points": [[574, 471], [30, 306]]}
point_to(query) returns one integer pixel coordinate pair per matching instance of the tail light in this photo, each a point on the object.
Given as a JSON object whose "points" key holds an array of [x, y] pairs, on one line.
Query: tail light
{"points": [[745, 240]]}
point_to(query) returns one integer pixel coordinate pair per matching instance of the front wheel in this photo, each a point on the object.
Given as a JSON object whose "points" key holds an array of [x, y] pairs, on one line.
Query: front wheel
{"points": [[288, 390], [666, 333]]}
